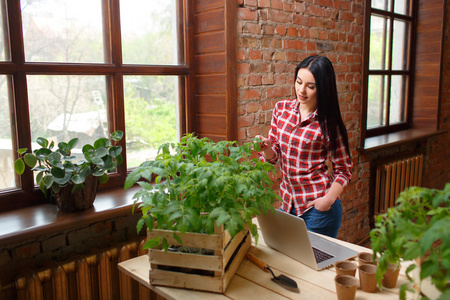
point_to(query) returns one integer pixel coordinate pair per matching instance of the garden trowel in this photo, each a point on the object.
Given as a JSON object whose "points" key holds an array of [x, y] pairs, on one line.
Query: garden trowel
{"points": [[282, 280]]}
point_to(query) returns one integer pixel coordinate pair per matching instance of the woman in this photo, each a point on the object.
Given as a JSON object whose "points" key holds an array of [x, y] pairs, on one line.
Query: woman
{"points": [[304, 133]]}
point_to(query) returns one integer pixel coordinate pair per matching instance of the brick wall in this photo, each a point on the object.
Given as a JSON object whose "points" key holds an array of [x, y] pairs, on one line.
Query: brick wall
{"points": [[273, 36]]}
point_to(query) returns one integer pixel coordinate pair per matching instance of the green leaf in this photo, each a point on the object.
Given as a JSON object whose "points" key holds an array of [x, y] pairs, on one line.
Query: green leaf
{"points": [[78, 179], [119, 159], [428, 268], [43, 142], [114, 151], [86, 148], [103, 179], [72, 143], [100, 152], [43, 153], [98, 172], [58, 172], [22, 151], [30, 160], [151, 243], [48, 180], [19, 166], [116, 135], [101, 143]]}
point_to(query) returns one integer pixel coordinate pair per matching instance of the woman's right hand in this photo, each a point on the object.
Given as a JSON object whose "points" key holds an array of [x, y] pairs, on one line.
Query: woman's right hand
{"points": [[265, 146]]}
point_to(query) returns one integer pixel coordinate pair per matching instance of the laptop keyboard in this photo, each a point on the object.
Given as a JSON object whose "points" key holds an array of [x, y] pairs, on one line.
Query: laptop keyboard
{"points": [[321, 255]]}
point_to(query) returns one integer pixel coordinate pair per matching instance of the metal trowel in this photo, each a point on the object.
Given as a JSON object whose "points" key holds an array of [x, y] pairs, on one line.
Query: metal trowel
{"points": [[282, 280]]}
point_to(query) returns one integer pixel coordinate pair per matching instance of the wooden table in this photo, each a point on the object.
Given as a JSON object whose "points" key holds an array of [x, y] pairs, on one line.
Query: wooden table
{"points": [[250, 282]]}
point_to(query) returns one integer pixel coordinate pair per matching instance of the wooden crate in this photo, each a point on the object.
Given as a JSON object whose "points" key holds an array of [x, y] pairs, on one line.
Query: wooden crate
{"points": [[211, 272]]}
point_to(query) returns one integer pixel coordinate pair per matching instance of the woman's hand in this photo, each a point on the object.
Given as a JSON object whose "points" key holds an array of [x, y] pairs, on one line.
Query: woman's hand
{"points": [[321, 204], [265, 142], [265, 146]]}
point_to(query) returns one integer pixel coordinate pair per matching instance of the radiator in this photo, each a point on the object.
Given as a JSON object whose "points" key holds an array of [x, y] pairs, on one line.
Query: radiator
{"points": [[393, 177], [93, 276]]}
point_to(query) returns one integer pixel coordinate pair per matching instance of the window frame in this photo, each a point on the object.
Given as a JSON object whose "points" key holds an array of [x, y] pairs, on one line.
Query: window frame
{"points": [[113, 69], [366, 72]]}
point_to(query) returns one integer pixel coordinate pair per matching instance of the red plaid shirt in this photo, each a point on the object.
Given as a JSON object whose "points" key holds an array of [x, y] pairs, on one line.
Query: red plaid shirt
{"points": [[302, 151]]}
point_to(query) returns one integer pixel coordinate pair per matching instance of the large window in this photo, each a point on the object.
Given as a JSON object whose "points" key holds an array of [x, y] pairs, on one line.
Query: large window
{"points": [[388, 69], [85, 68]]}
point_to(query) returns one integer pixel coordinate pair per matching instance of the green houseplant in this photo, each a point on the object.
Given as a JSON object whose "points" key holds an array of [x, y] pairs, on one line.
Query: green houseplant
{"points": [[199, 183], [416, 229], [70, 180]]}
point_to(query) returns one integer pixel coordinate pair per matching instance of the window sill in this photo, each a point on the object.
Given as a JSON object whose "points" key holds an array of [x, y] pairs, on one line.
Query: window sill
{"points": [[27, 223], [397, 138]]}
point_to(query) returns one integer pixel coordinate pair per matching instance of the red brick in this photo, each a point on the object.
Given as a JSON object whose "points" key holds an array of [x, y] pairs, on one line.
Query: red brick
{"points": [[247, 14], [253, 107], [250, 94], [280, 30], [264, 3], [243, 68], [277, 4], [246, 121], [254, 80], [252, 28], [254, 54]]}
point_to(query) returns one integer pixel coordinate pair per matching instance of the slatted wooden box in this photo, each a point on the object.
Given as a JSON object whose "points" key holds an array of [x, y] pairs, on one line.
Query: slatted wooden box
{"points": [[206, 272]]}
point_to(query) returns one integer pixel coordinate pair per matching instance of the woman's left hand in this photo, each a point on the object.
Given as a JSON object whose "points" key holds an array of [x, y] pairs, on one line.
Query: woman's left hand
{"points": [[321, 204]]}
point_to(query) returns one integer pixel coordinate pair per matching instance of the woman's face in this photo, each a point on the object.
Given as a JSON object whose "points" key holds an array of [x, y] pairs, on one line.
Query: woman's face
{"points": [[305, 89]]}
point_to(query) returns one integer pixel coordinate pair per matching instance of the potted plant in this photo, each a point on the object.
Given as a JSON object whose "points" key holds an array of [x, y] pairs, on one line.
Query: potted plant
{"points": [[416, 229], [200, 186], [72, 181]]}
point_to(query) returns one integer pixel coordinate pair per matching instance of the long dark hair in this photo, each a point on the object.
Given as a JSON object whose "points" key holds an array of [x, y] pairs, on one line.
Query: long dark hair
{"points": [[328, 111]]}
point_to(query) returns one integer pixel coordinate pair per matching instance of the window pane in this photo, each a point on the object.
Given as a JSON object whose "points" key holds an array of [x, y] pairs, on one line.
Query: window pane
{"points": [[399, 55], [378, 54], [151, 115], [64, 107], [149, 32], [63, 31], [376, 101], [402, 7], [4, 53], [7, 175], [398, 96], [381, 4]]}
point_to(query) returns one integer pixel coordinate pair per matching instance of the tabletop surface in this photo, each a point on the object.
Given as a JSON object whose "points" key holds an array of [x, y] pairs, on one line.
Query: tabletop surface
{"points": [[250, 282]]}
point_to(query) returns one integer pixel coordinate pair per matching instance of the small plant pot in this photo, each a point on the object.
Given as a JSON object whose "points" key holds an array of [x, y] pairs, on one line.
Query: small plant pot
{"points": [[345, 267], [390, 277], [80, 200], [365, 258], [367, 279], [346, 287]]}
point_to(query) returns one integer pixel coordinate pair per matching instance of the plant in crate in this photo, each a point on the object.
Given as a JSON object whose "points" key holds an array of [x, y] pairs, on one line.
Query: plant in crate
{"points": [[416, 229], [199, 184], [72, 181]]}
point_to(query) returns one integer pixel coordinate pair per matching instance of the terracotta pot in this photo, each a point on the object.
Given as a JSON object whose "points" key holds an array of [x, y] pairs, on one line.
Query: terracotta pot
{"points": [[367, 279], [346, 286], [345, 267], [391, 276], [81, 199]]}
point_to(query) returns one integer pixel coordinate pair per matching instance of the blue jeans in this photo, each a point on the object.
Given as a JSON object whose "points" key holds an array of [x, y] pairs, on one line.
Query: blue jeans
{"points": [[323, 222]]}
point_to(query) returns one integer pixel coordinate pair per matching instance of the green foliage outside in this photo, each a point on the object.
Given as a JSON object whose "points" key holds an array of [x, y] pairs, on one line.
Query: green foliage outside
{"points": [[198, 183]]}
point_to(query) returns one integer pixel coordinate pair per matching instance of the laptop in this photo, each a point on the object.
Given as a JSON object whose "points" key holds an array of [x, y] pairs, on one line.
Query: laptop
{"points": [[287, 234]]}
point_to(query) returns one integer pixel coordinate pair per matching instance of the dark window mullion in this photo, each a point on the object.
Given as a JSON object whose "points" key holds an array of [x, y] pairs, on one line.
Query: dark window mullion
{"points": [[21, 121]]}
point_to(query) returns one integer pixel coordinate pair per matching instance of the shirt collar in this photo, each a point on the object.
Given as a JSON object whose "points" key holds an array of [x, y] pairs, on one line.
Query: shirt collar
{"points": [[295, 106]]}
